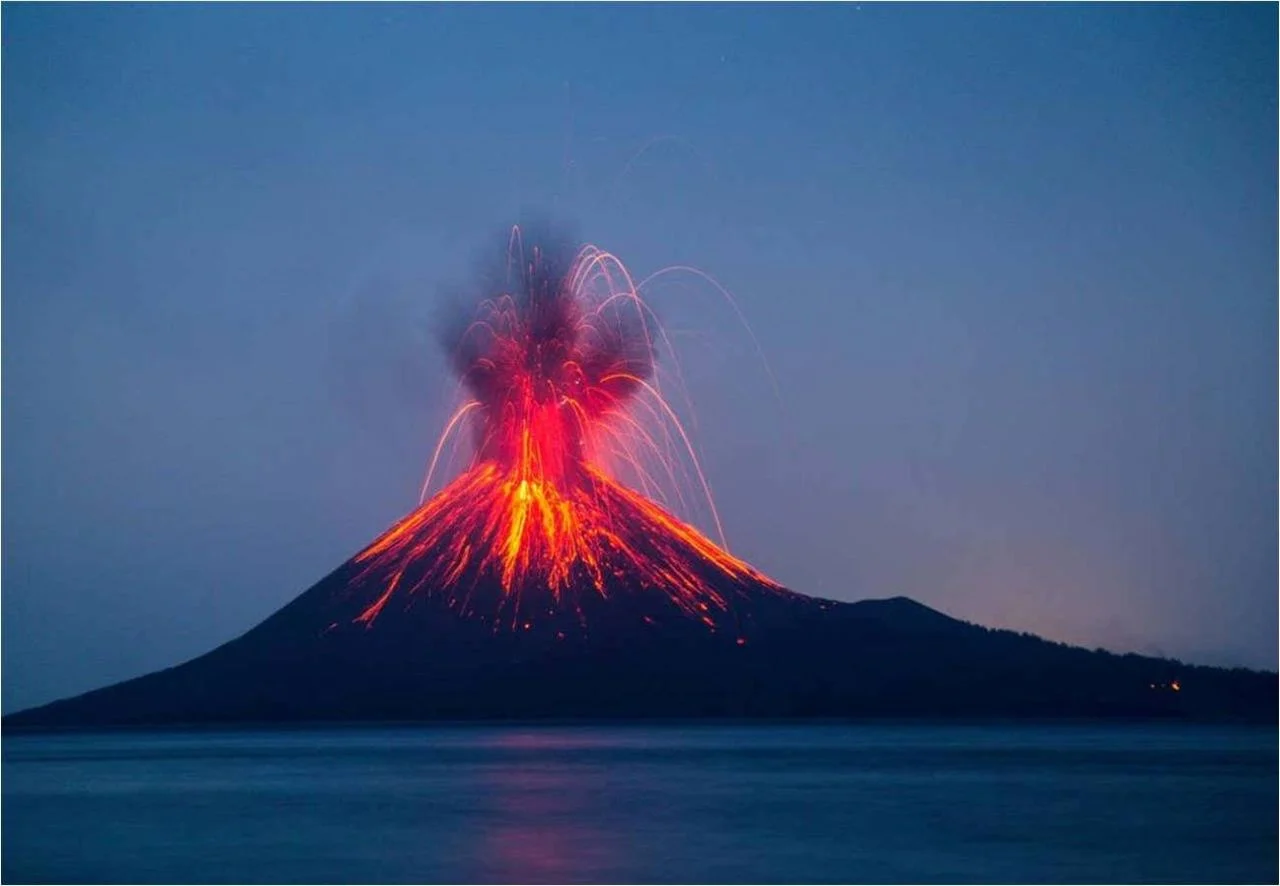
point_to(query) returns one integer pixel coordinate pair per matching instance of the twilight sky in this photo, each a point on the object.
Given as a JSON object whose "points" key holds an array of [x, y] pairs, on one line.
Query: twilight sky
{"points": [[1014, 269]]}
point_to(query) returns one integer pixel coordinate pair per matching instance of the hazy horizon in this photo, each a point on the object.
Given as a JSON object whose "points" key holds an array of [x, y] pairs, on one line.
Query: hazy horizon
{"points": [[1013, 270]]}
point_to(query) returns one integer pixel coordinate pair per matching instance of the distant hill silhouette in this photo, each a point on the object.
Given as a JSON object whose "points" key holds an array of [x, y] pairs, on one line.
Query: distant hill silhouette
{"points": [[634, 654]]}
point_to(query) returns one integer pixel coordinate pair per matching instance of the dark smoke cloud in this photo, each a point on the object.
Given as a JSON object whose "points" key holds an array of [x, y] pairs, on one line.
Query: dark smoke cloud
{"points": [[525, 323]]}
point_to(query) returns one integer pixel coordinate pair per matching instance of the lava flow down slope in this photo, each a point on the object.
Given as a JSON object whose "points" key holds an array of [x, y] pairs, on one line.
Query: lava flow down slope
{"points": [[552, 578], [559, 369]]}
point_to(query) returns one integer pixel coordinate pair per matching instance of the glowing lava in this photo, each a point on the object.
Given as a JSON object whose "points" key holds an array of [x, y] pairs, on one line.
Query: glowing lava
{"points": [[564, 409]]}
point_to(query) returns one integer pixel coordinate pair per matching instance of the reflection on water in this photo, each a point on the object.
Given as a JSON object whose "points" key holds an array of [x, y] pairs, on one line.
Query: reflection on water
{"points": [[534, 816], [716, 804]]}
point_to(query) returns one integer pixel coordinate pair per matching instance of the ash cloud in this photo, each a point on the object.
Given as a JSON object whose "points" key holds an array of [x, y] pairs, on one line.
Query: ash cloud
{"points": [[521, 319]]}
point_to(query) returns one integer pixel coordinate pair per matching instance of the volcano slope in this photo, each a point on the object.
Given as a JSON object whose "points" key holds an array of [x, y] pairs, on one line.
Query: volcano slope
{"points": [[638, 654]]}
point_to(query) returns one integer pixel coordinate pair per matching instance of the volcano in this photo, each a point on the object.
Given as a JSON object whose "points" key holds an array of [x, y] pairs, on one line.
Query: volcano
{"points": [[637, 654], [551, 577]]}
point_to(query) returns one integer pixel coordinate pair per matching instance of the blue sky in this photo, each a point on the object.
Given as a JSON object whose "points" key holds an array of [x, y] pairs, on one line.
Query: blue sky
{"points": [[1013, 268]]}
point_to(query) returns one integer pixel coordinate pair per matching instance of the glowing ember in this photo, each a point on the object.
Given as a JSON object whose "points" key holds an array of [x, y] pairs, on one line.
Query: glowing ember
{"points": [[564, 406]]}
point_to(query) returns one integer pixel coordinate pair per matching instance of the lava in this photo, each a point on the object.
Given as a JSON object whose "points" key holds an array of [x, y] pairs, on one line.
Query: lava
{"points": [[567, 416]]}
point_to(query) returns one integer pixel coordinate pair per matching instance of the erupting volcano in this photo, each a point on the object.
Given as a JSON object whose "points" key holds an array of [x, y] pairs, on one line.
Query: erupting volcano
{"points": [[563, 404], [552, 578]]}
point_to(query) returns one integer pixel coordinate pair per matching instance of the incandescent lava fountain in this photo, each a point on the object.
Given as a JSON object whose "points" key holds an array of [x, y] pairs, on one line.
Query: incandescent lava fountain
{"points": [[571, 441]]}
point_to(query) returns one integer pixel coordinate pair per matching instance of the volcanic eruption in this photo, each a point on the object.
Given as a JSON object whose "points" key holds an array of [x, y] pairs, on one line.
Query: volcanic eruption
{"points": [[562, 400], [552, 578]]}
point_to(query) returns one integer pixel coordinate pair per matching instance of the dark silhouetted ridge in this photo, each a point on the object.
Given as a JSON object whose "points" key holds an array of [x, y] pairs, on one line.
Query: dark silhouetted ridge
{"points": [[634, 654]]}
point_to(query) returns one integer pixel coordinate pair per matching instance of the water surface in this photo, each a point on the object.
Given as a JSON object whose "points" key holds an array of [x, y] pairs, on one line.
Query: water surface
{"points": [[879, 803]]}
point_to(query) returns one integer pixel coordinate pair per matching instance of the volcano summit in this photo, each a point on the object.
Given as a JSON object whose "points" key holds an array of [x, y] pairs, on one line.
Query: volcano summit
{"points": [[563, 400], [551, 578]]}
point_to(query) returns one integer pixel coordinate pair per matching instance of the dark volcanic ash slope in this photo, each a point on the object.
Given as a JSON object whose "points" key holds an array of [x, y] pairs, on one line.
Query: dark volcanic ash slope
{"points": [[635, 654]]}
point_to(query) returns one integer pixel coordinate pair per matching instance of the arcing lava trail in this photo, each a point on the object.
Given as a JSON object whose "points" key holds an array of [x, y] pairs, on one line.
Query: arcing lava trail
{"points": [[563, 400]]}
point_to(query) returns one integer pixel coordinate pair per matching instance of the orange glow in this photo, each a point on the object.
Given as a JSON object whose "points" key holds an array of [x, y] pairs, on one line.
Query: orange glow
{"points": [[565, 417]]}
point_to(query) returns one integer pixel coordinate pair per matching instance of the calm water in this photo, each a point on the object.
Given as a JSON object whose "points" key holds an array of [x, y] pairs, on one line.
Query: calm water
{"points": [[690, 803]]}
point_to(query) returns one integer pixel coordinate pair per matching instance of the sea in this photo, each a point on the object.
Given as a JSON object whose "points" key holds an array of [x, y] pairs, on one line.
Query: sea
{"points": [[688, 803]]}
